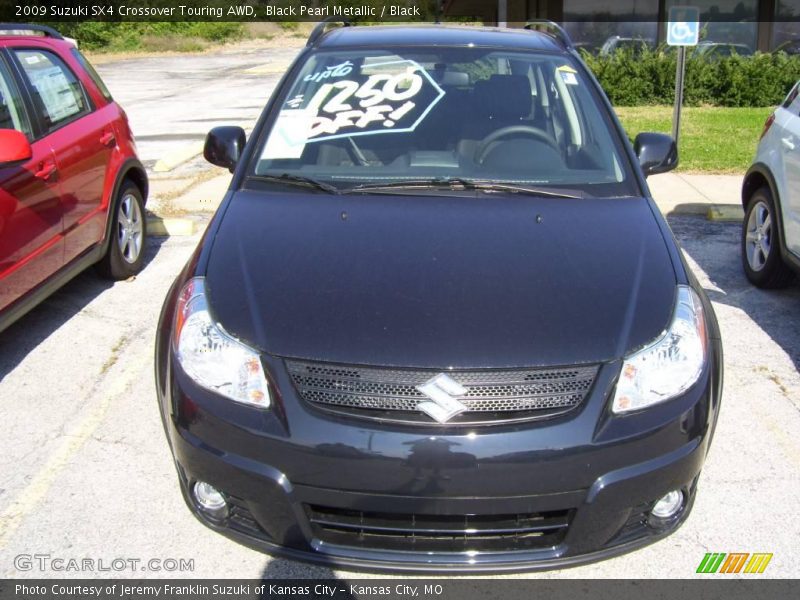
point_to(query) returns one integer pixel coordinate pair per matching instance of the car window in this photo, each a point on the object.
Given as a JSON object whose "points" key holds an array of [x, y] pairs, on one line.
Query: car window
{"points": [[371, 116], [12, 110], [791, 96], [93, 75], [57, 92]]}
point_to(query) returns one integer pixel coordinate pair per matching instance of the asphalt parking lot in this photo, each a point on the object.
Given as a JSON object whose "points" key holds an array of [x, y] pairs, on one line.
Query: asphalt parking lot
{"points": [[85, 471], [173, 100]]}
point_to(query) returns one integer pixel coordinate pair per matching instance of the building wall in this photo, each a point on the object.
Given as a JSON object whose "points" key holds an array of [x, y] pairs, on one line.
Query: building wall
{"points": [[759, 24]]}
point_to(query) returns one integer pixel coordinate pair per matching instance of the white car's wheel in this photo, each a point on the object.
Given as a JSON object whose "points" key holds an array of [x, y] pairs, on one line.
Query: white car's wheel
{"points": [[761, 253]]}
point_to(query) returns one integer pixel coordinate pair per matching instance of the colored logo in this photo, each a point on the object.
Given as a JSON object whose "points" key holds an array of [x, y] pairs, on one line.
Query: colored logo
{"points": [[735, 562]]}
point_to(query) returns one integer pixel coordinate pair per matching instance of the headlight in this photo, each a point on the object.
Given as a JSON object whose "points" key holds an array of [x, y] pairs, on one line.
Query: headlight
{"points": [[211, 357], [670, 365]]}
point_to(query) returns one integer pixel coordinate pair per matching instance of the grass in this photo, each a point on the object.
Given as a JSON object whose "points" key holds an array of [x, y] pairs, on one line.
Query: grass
{"points": [[171, 43], [712, 139]]}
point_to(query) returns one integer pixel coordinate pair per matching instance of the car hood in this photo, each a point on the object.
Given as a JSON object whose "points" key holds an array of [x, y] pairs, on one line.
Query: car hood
{"points": [[440, 281]]}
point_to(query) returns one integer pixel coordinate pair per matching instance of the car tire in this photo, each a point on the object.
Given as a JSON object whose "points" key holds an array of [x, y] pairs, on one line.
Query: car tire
{"points": [[125, 255], [761, 252]]}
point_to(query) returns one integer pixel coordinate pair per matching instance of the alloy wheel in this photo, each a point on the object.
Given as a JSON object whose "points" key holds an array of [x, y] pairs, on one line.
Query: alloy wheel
{"points": [[758, 240], [129, 228]]}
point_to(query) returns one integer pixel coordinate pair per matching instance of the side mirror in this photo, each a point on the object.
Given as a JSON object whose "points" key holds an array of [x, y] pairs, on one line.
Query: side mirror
{"points": [[657, 153], [224, 146], [14, 146]]}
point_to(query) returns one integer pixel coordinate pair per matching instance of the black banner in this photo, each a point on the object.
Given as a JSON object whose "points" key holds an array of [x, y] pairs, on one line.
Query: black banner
{"points": [[478, 11], [713, 588]]}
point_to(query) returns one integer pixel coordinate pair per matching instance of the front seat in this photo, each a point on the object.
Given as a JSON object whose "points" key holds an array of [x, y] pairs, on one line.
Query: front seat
{"points": [[500, 101]]}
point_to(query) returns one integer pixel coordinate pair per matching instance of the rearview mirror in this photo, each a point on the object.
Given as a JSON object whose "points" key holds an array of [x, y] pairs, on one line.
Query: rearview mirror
{"points": [[657, 153], [224, 146], [14, 146]]}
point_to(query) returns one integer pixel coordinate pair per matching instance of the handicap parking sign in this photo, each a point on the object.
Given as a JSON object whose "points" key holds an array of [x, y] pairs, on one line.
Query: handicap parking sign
{"points": [[683, 28]]}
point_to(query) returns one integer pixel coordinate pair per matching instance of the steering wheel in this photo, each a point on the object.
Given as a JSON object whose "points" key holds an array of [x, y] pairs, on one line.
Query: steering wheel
{"points": [[483, 147]]}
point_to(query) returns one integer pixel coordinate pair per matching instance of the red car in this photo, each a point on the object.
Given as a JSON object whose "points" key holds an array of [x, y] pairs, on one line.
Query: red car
{"points": [[72, 190]]}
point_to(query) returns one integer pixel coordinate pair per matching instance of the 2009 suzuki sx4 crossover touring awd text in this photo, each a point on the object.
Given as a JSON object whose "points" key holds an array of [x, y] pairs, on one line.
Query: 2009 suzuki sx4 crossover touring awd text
{"points": [[438, 322]]}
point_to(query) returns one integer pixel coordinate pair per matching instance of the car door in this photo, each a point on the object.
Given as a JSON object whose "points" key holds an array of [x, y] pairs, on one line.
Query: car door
{"points": [[31, 242], [787, 122], [82, 139]]}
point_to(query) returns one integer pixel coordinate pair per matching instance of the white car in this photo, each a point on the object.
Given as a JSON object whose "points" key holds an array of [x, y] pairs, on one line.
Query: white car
{"points": [[771, 200]]}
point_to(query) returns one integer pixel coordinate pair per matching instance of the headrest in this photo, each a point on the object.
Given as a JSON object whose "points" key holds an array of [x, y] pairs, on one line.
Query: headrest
{"points": [[455, 78], [504, 96]]}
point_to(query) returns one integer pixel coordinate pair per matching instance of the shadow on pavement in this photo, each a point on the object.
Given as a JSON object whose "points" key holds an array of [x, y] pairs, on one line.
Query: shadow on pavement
{"points": [[715, 247], [35, 327], [277, 571]]}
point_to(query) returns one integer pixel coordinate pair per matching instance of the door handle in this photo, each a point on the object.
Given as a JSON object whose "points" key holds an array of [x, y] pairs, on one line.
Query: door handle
{"points": [[46, 171], [787, 143], [108, 139]]}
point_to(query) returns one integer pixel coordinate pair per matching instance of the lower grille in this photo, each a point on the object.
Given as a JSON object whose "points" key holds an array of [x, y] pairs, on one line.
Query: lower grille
{"points": [[636, 524], [391, 394], [443, 533], [241, 519]]}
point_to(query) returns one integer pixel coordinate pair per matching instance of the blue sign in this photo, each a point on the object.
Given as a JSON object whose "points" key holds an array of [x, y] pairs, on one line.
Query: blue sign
{"points": [[683, 28]]}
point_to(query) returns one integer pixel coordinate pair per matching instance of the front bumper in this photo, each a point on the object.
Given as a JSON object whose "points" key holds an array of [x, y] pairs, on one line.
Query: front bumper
{"points": [[592, 476]]}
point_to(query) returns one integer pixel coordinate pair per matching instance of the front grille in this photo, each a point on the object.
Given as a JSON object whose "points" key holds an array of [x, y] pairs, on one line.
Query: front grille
{"points": [[493, 395], [444, 533]]}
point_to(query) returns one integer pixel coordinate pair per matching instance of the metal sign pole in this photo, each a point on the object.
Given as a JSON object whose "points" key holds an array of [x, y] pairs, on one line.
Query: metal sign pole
{"points": [[680, 72]]}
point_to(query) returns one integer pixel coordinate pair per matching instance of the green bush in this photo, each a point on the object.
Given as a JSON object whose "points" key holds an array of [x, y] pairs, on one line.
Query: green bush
{"points": [[121, 36], [649, 78]]}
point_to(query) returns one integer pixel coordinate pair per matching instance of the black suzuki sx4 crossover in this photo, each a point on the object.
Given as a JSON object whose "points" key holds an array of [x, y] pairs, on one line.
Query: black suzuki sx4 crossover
{"points": [[438, 322]]}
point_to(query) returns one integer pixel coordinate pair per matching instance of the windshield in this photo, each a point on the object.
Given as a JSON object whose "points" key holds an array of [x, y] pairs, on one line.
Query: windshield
{"points": [[367, 117]]}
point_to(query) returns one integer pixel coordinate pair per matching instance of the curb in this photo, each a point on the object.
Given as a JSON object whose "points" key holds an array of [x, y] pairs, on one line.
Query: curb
{"points": [[688, 208], [168, 227], [267, 69], [178, 157], [725, 213]]}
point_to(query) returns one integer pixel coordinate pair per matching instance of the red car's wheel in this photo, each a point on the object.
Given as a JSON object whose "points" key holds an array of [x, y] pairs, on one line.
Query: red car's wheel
{"points": [[125, 255]]}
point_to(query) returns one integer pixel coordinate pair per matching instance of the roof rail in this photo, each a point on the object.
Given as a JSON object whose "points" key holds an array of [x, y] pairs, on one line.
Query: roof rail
{"points": [[551, 28], [47, 31], [321, 28]]}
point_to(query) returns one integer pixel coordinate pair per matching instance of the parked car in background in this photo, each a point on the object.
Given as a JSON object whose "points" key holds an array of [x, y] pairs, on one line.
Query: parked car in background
{"points": [[438, 322], [72, 190], [715, 50], [790, 47], [770, 240], [632, 44]]}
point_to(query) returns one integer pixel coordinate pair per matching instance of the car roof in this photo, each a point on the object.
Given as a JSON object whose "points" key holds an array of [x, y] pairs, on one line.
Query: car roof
{"points": [[11, 41], [438, 35], [16, 38]]}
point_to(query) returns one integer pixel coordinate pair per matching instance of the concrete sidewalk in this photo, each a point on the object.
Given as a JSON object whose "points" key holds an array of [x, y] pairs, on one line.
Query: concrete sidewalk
{"points": [[717, 197]]}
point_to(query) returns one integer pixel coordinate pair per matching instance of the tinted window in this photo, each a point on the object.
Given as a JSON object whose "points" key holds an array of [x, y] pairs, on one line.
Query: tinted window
{"points": [[369, 116], [791, 96], [93, 75], [12, 111], [57, 92]]}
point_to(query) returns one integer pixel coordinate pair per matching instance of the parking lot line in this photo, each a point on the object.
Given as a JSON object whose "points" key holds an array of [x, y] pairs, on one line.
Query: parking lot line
{"points": [[29, 498]]}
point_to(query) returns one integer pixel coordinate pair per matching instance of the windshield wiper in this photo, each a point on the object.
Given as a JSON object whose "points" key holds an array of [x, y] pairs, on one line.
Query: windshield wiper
{"points": [[458, 183], [454, 183], [533, 191], [301, 180]]}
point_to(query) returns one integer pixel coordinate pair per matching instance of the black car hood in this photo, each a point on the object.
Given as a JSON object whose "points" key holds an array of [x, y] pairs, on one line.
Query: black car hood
{"points": [[440, 281]]}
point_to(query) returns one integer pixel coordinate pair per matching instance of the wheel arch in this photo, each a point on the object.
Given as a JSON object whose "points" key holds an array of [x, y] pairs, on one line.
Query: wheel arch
{"points": [[131, 169], [134, 171], [758, 176]]}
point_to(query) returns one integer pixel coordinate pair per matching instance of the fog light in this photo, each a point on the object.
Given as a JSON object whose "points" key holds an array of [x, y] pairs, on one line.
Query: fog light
{"points": [[668, 505], [208, 497]]}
